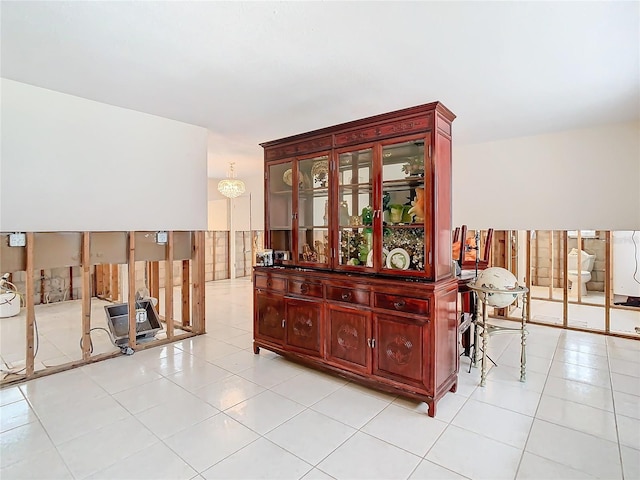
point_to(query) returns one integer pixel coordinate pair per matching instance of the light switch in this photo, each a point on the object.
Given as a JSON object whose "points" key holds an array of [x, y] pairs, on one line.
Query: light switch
{"points": [[17, 240]]}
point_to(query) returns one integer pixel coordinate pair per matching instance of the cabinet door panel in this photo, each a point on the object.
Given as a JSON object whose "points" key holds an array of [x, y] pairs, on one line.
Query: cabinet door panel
{"points": [[303, 325], [348, 331], [279, 206], [313, 212], [399, 350], [269, 317]]}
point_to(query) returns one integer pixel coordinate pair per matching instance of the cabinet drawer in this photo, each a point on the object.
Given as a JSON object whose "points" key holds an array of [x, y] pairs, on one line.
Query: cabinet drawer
{"points": [[271, 282], [304, 287], [399, 303], [348, 295]]}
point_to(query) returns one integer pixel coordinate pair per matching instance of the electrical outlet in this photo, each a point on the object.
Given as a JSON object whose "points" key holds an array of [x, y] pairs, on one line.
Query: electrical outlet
{"points": [[162, 237], [17, 240], [141, 315]]}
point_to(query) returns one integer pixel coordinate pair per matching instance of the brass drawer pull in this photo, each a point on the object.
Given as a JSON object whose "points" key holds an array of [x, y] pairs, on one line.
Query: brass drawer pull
{"points": [[399, 304], [346, 295], [304, 288]]}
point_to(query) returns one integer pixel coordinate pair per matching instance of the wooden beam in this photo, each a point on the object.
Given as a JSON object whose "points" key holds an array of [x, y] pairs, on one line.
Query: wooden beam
{"points": [[608, 281], [86, 296], [579, 264], [198, 282], [565, 267], [229, 260], [115, 284], [214, 236], [99, 281], [528, 277], [168, 285], [41, 287], [70, 283], [106, 278], [154, 281], [186, 300], [31, 313], [131, 297], [551, 264]]}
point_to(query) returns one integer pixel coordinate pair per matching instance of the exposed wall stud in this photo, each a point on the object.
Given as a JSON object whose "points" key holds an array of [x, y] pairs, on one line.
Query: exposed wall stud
{"points": [[131, 298], [168, 286], [86, 296], [186, 294], [31, 313]]}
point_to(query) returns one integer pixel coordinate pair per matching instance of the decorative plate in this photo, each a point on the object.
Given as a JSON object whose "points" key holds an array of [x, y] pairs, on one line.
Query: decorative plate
{"points": [[320, 167], [385, 252], [286, 177], [398, 259]]}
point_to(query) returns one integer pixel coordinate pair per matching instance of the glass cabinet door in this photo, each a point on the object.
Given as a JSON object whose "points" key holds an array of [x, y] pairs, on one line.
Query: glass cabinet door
{"points": [[355, 208], [313, 210], [403, 206], [280, 207]]}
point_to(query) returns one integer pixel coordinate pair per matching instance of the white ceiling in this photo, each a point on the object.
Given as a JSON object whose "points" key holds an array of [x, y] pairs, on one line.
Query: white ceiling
{"points": [[257, 71]]}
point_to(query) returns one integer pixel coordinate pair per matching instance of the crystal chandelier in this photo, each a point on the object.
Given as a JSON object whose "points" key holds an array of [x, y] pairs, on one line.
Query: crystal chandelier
{"points": [[231, 187]]}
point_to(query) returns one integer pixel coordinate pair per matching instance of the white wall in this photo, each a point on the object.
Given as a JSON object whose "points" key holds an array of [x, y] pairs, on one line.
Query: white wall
{"points": [[578, 179], [71, 164], [218, 217]]}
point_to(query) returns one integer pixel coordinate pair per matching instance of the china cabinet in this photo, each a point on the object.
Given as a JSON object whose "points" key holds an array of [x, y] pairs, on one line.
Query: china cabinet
{"points": [[359, 218]]}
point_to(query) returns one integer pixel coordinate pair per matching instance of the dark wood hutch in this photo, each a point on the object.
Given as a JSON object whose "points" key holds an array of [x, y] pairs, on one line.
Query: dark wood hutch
{"points": [[358, 216]]}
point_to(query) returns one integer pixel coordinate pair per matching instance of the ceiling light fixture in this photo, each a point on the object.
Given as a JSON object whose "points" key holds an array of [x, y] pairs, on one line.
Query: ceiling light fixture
{"points": [[231, 187]]}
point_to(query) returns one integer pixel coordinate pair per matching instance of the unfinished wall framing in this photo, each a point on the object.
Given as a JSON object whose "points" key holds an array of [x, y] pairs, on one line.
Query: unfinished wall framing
{"points": [[105, 273]]}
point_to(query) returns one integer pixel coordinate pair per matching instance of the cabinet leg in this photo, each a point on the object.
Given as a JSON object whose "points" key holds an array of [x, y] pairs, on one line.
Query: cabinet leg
{"points": [[256, 348], [432, 408]]}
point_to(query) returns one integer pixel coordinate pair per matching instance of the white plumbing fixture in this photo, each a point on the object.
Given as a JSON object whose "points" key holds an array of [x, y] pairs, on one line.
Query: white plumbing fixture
{"points": [[579, 278]]}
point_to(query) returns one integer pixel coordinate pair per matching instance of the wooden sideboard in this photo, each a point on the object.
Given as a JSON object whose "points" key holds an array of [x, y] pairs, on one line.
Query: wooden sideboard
{"points": [[395, 335]]}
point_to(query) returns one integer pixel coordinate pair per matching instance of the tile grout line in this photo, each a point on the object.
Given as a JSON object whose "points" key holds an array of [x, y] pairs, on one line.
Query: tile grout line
{"points": [[615, 416], [535, 414]]}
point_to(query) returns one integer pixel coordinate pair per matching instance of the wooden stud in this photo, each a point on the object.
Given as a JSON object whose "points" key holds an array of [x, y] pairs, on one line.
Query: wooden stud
{"points": [[608, 280], [213, 250], [106, 277], [99, 281], [565, 267], [70, 283], [154, 281], [198, 282], [579, 264], [528, 267], [168, 286], [186, 294], [41, 287], [536, 279], [115, 284], [31, 313], [551, 264], [86, 296], [131, 297], [228, 234]]}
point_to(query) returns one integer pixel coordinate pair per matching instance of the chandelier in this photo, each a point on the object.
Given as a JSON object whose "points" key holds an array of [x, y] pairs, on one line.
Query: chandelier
{"points": [[231, 187]]}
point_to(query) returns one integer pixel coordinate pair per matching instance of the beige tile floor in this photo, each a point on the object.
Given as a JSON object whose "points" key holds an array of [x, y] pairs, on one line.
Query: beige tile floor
{"points": [[207, 407], [59, 328], [588, 315]]}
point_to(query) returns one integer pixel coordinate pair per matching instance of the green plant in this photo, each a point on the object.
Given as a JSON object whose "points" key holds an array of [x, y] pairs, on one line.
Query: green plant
{"points": [[414, 166]]}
